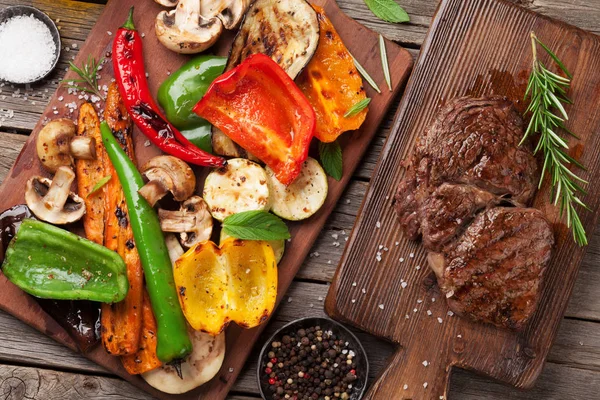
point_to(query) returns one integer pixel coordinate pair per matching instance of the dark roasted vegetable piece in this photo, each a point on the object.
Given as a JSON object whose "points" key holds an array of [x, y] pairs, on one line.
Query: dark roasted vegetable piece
{"points": [[49, 262], [172, 340]]}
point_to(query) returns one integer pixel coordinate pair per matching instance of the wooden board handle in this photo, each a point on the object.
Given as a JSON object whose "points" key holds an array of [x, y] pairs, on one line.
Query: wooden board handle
{"points": [[408, 377]]}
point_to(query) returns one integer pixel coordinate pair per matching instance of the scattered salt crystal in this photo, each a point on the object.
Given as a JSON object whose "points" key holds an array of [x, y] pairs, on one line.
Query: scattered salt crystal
{"points": [[401, 259], [581, 343], [425, 363], [55, 112], [334, 235], [415, 310], [418, 267], [405, 386], [289, 299], [74, 45], [354, 300], [380, 246], [354, 284], [230, 369], [320, 298], [378, 224], [363, 290], [60, 98], [440, 320], [460, 337], [429, 312], [450, 313], [328, 261], [406, 316], [433, 299], [404, 285], [108, 33], [27, 49], [381, 306], [397, 243], [419, 301], [411, 255], [147, 143], [425, 385], [248, 270], [348, 201], [143, 35]]}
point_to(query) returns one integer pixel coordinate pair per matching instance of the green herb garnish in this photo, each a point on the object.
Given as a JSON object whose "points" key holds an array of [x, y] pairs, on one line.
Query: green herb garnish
{"points": [[384, 62], [365, 74], [331, 159], [101, 182], [388, 10], [88, 73], [255, 225], [358, 107], [548, 93]]}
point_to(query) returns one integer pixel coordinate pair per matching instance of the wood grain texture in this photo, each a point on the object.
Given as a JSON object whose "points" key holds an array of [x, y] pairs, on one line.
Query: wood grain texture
{"points": [[159, 62], [476, 48]]}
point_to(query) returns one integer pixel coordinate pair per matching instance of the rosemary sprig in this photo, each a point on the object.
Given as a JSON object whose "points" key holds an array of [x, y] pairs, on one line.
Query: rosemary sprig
{"points": [[88, 73], [548, 93]]}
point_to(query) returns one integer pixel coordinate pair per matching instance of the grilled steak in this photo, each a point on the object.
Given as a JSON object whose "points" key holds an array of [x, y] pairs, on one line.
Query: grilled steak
{"points": [[492, 273], [471, 141], [489, 260]]}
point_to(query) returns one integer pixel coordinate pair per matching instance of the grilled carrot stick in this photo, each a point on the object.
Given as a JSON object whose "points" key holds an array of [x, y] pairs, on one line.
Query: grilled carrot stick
{"points": [[145, 358], [121, 322], [89, 173]]}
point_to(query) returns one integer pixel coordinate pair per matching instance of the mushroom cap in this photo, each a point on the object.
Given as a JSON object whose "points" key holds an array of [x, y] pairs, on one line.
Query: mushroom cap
{"points": [[53, 144], [230, 12], [169, 174], [184, 30], [192, 221], [52, 200], [167, 3]]}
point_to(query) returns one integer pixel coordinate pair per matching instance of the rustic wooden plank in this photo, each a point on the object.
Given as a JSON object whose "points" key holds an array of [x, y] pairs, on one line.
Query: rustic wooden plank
{"points": [[19, 383]]}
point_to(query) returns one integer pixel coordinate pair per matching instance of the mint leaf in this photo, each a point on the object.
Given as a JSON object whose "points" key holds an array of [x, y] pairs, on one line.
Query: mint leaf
{"points": [[358, 107], [388, 10], [331, 159], [101, 182], [255, 225]]}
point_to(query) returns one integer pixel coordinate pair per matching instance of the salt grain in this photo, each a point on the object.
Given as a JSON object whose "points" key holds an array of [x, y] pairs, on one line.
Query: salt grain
{"points": [[440, 320], [381, 306], [27, 49], [405, 386]]}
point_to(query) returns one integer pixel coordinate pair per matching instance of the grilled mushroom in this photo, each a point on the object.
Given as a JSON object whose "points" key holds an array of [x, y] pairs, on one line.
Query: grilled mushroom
{"points": [[184, 30], [192, 221], [52, 200], [167, 174], [57, 145]]}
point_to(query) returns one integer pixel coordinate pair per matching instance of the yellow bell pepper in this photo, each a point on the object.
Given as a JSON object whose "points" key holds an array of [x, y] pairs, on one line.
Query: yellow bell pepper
{"points": [[236, 282]]}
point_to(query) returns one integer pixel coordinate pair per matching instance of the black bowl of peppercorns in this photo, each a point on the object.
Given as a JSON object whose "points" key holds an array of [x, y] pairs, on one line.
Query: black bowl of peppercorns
{"points": [[313, 359]]}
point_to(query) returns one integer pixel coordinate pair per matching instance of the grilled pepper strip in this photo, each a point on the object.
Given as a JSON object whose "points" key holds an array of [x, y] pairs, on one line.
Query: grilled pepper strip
{"points": [[52, 263], [121, 322], [172, 338], [128, 65], [259, 107]]}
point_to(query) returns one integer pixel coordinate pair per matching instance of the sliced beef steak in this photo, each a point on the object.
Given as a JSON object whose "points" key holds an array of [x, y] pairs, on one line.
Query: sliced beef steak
{"points": [[493, 271], [448, 210], [471, 141]]}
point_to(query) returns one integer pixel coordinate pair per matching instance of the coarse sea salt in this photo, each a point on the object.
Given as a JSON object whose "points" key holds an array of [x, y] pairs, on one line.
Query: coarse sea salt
{"points": [[27, 49]]}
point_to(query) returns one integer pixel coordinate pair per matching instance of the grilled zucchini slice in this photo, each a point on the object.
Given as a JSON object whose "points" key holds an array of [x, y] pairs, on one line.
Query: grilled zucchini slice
{"points": [[278, 246], [303, 197], [241, 185], [285, 30]]}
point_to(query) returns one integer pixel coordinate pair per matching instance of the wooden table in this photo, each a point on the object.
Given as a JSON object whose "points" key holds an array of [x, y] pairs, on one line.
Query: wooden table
{"points": [[32, 366]]}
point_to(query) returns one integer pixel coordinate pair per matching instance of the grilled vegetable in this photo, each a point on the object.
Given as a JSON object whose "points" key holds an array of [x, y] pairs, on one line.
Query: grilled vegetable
{"points": [[278, 246], [52, 263], [192, 221], [57, 145], [172, 340], [303, 197], [237, 282], [144, 359], [258, 106], [203, 363], [121, 322], [332, 84], [285, 30], [89, 173], [239, 186]]}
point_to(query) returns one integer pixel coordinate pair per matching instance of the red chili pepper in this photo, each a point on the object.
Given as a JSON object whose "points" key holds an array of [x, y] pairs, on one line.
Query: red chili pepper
{"points": [[128, 64], [260, 108]]}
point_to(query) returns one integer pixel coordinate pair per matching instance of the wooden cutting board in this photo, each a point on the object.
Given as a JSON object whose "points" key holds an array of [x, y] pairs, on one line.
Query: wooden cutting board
{"points": [[474, 47], [363, 44]]}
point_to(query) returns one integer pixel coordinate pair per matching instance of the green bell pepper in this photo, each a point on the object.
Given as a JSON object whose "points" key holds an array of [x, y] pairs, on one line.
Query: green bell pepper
{"points": [[183, 89], [52, 263], [173, 342]]}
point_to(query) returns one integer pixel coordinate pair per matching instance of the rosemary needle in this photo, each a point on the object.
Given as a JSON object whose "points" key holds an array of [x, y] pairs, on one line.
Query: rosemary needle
{"points": [[384, 62], [88, 77], [548, 93], [365, 74]]}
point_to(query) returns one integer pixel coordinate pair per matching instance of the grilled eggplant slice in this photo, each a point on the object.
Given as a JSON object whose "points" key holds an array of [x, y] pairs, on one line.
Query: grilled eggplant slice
{"points": [[285, 30]]}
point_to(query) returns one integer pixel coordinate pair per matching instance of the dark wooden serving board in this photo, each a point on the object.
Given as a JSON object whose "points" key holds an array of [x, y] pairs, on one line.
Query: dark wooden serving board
{"points": [[476, 47], [363, 44]]}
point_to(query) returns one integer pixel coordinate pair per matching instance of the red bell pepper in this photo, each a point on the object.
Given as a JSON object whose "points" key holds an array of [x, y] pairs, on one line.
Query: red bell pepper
{"points": [[128, 64], [259, 107]]}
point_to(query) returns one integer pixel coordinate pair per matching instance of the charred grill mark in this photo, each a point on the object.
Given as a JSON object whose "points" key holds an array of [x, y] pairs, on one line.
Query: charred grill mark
{"points": [[122, 217]]}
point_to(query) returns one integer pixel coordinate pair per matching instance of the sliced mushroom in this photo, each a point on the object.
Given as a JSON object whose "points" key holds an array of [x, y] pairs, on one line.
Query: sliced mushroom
{"points": [[230, 12], [173, 246], [192, 221], [167, 174], [57, 145], [184, 30], [52, 200]]}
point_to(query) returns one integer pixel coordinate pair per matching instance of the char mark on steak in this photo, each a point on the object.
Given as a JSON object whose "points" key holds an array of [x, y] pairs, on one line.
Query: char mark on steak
{"points": [[493, 271]]}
